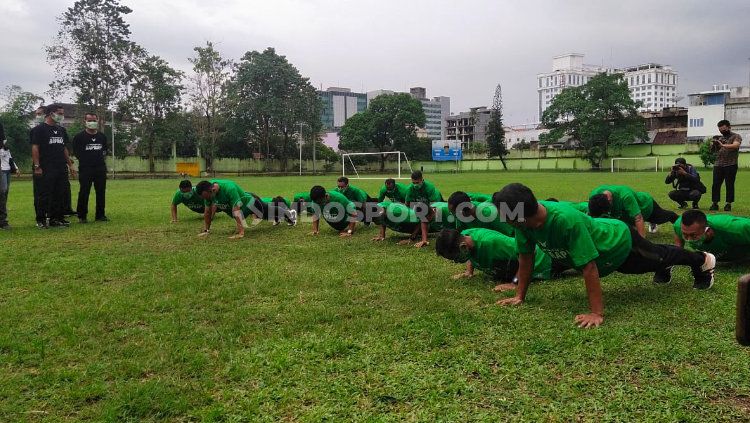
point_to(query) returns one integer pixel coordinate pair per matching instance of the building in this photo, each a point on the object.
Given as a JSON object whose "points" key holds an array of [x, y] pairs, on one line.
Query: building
{"points": [[528, 133], [339, 104], [436, 110], [653, 84], [737, 112], [705, 110], [468, 127]]}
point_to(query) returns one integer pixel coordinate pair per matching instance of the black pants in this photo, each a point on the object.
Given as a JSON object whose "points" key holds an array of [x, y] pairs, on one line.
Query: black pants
{"points": [[51, 195], [681, 196], [87, 177], [659, 215], [723, 174], [36, 182], [67, 195], [271, 211], [647, 257]]}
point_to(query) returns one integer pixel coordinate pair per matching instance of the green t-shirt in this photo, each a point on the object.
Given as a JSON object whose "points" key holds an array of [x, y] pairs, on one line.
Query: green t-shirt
{"points": [[575, 239], [270, 200], [444, 219], [480, 198], [582, 207], [398, 194], [731, 241], [194, 202], [627, 203], [399, 217], [493, 249], [426, 194], [487, 217], [304, 198], [230, 195], [355, 194], [337, 204]]}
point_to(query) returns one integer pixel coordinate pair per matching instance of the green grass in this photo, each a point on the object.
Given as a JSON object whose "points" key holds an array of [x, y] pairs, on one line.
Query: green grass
{"points": [[139, 320]]}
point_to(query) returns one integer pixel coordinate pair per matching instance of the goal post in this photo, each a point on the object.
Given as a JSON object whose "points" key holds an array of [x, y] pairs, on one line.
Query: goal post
{"points": [[619, 164], [393, 158]]}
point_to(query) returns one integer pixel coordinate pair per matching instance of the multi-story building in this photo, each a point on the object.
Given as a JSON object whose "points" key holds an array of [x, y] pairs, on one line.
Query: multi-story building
{"points": [[528, 133], [436, 110], [468, 127], [653, 84], [707, 108], [339, 104]]}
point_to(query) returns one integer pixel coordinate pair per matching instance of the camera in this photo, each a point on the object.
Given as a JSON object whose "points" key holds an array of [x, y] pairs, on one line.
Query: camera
{"points": [[676, 168]]}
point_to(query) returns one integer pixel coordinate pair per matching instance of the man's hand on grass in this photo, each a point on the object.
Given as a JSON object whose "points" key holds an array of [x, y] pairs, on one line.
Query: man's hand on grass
{"points": [[463, 275], [504, 287], [509, 301], [421, 244], [378, 238], [590, 320]]}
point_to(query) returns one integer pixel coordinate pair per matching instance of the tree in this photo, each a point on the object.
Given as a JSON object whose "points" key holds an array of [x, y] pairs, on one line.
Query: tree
{"points": [[207, 94], [154, 95], [707, 155], [597, 115], [495, 131], [15, 117], [389, 123], [268, 100], [93, 54]]}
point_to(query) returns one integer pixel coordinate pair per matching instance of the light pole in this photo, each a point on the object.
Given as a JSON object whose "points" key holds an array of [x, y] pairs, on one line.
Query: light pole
{"points": [[300, 148], [113, 144]]}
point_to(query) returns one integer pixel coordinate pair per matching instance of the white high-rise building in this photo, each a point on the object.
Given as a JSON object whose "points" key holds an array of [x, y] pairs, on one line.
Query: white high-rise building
{"points": [[653, 84], [436, 110]]}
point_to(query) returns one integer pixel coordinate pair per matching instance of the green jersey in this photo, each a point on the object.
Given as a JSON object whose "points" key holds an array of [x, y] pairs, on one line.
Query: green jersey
{"points": [[626, 203], [427, 193], [337, 207], [576, 239], [487, 217], [304, 198], [399, 217], [731, 241], [582, 207], [270, 200], [480, 198], [494, 250], [229, 196], [355, 194], [192, 200], [397, 194]]}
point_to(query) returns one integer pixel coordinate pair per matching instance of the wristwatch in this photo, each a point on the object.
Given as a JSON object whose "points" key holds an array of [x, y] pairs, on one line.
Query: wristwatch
{"points": [[349, 231], [36, 166]]}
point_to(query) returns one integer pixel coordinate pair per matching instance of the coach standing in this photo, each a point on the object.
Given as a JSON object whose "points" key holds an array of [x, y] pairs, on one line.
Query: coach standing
{"points": [[727, 148], [51, 162], [90, 146]]}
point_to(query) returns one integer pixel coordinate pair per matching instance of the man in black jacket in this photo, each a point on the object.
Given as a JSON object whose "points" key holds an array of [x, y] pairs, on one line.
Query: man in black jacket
{"points": [[90, 146], [687, 183]]}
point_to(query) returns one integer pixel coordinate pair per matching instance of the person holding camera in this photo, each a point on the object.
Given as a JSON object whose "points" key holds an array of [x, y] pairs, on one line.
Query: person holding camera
{"points": [[686, 183], [727, 149]]}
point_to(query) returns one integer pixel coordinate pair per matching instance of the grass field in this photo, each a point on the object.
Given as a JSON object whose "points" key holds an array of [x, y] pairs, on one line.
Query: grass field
{"points": [[139, 320]]}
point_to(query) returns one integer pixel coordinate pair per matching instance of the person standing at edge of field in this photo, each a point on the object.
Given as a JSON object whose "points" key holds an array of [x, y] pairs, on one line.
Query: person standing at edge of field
{"points": [[595, 246], [36, 180], [7, 166], [90, 147], [419, 196], [52, 163], [727, 148], [686, 183]]}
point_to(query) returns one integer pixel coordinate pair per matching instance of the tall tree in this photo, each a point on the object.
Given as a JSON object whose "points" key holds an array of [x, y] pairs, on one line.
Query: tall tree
{"points": [[93, 54], [211, 73], [268, 100], [597, 115], [389, 123], [153, 96], [15, 117], [496, 146]]}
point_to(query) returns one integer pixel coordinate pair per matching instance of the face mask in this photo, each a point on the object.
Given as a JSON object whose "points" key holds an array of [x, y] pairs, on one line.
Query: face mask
{"points": [[187, 195], [463, 255], [725, 133], [58, 117], [92, 125], [339, 189], [39, 118], [419, 185], [698, 242]]}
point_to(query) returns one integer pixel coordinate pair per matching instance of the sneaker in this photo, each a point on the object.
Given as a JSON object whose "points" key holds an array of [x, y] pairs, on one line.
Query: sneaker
{"points": [[695, 205], [293, 217], [653, 228], [705, 279], [83, 220], [54, 223], [663, 276], [728, 207], [275, 223], [714, 207], [65, 222], [682, 205], [41, 225], [102, 219]]}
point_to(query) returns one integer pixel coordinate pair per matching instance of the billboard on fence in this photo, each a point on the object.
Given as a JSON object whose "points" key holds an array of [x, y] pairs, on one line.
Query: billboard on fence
{"points": [[446, 150]]}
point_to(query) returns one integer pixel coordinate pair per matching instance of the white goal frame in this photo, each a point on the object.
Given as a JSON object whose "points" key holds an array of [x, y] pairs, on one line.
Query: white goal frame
{"points": [[345, 156], [655, 158]]}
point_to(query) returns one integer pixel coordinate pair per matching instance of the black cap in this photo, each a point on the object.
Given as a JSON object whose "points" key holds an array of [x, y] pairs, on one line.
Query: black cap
{"points": [[680, 160]]}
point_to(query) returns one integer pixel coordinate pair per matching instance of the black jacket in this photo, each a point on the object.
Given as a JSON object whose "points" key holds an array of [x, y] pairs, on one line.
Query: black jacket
{"points": [[689, 182]]}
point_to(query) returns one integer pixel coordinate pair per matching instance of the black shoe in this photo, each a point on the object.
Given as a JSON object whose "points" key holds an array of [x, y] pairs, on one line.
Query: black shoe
{"points": [[102, 219], [663, 276], [5, 226], [695, 205], [705, 279], [70, 213], [82, 220], [41, 225], [728, 207], [682, 205], [54, 223], [713, 207]]}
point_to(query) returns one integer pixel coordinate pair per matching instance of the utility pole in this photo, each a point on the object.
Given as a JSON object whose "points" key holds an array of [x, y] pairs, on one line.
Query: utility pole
{"points": [[300, 149]]}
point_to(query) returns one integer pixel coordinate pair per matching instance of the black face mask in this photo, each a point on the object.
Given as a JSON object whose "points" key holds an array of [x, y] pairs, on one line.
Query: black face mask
{"points": [[725, 133]]}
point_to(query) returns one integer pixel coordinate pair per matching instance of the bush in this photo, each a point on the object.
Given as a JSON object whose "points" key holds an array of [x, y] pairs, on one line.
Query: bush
{"points": [[708, 157]]}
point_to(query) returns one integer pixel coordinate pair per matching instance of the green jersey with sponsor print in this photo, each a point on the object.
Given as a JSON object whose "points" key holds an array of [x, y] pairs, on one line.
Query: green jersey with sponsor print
{"points": [[493, 249], [731, 241], [426, 193], [354, 194], [230, 195], [190, 199], [487, 217], [397, 194]]}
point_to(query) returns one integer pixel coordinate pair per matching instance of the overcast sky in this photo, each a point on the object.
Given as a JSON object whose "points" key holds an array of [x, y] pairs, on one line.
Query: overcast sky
{"points": [[460, 49]]}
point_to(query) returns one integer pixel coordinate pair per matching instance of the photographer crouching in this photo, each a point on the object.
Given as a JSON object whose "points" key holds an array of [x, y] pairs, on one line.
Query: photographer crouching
{"points": [[687, 183]]}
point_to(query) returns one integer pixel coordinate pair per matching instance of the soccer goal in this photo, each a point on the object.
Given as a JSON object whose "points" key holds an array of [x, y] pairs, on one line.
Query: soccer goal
{"points": [[620, 164], [355, 165]]}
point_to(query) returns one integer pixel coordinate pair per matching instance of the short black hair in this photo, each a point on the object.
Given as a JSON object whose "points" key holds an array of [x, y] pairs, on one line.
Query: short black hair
{"points": [[723, 122], [514, 194], [599, 205], [343, 179], [680, 160], [90, 114], [202, 187], [317, 193], [186, 184], [52, 108], [691, 217], [553, 199], [458, 198], [417, 174], [447, 242], [390, 181]]}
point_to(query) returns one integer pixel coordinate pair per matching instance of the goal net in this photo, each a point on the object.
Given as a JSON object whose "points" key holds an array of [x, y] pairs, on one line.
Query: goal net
{"points": [[632, 164], [393, 164]]}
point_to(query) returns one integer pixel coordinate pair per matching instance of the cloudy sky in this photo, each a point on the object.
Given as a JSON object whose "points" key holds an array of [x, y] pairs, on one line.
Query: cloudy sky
{"points": [[460, 49]]}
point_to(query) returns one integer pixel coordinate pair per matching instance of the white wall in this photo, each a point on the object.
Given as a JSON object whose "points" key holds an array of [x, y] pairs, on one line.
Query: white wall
{"points": [[351, 106], [339, 110], [711, 115]]}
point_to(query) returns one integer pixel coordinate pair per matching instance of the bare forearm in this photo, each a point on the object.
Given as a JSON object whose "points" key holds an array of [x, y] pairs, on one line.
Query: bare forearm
{"points": [[640, 226], [593, 288], [174, 212], [525, 266]]}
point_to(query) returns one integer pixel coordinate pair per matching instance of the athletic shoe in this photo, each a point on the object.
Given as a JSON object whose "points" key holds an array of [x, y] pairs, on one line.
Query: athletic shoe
{"points": [[663, 276], [682, 205], [714, 207], [653, 228], [705, 279], [54, 223], [728, 207], [65, 222], [293, 217], [275, 223], [102, 219], [41, 225]]}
